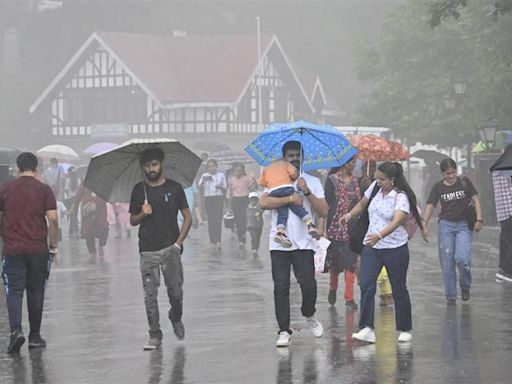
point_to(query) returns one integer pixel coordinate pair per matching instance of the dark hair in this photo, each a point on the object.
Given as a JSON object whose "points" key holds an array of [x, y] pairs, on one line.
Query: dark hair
{"points": [[238, 165], [54, 161], [446, 164], [211, 161], [293, 145], [395, 171], [150, 154], [27, 161]]}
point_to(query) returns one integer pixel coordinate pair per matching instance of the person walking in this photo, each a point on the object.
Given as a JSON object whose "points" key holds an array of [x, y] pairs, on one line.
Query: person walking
{"points": [[392, 200], [300, 254], [502, 183], [25, 206], [213, 185], [342, 194], [454, 236], [254, 221], [239, 186], [154, 205]]}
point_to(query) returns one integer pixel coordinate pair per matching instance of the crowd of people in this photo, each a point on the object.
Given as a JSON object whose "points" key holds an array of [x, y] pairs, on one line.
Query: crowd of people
{"points": [[303, 209]]}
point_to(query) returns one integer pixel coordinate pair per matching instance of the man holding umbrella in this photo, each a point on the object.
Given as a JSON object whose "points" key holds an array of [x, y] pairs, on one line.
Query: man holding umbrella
{"points": [[154, 204], [300, 254]]}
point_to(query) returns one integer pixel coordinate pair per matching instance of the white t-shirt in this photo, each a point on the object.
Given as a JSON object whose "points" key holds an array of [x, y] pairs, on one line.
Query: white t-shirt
{"points": [[296, 229], [381, 211]]}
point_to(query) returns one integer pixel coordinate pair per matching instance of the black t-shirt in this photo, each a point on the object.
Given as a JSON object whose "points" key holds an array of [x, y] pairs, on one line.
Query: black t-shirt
{"points": [[160, 229], [454, 198]]}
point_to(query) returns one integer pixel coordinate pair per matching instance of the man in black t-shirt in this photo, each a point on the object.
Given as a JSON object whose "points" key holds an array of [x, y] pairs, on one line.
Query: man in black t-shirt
{"points": [[154, 205]]}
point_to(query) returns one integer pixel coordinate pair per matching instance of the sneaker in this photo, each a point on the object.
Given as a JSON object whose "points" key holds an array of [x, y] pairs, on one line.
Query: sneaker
{"points": [[282, 239], [17, 340], [313, 232], [255, 252], [283, 340], [405, 337], [331, 298], [179, 329], [386, 300], [465, 295], [351, 305], [504, 277], [451, 301], [366, 334], [36, 341], [316, 327], [152, 344]]}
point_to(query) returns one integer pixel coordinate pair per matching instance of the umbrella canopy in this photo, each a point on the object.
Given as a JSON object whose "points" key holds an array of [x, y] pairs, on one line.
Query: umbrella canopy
{"points": [[429, 155], [504, 162], [232, 156], [8, 155], [398, 151], [113, 174], [371, 147], [60, 152], [211, 146], [323, 145], [96, 148]]}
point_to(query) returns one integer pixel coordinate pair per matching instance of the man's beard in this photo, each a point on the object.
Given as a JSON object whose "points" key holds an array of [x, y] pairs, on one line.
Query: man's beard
{"points": [[153, 176]]}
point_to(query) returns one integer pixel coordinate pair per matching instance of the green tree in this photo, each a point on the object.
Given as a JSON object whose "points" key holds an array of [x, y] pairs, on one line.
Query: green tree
{"points": [[409, 68], [451, 8]]}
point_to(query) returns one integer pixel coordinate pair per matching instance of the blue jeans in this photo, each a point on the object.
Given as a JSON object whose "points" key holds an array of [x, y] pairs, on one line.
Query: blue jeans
{"points": [[454, 243], [282, 212], [396, 261]]}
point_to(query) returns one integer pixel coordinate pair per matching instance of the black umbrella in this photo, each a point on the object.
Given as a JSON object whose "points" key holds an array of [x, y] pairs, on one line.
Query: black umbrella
{"points": [[8, 155], [429, 155], [504, 162]]}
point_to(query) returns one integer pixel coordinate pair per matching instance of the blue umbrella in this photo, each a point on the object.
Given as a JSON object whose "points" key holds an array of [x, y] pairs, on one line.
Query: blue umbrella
{"points": [[324, 146]]}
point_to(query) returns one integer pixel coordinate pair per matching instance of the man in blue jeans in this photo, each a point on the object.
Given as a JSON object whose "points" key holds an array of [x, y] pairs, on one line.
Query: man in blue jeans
{"points": [[300, 254], [25, 205]]}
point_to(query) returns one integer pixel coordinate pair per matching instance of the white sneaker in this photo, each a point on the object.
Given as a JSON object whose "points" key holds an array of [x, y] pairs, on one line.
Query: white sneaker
{"points": [[366, 334], [405, 337], [283, 340], [316, 327]]}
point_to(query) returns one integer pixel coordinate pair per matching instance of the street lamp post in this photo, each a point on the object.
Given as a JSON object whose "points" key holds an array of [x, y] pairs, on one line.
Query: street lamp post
{"points": [[487, 132]]}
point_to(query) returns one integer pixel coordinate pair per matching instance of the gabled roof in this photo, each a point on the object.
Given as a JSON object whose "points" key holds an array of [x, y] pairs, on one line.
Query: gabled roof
{"points": [[183, 71]]}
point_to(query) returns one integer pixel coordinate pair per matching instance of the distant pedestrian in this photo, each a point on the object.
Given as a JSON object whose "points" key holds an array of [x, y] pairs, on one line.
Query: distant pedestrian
{"points": [[454, 236], [392, 200], [300, 254], [25, 206], [342, 193], [54, 176], [254, 221], [279, 178], [213, 184], [239, 186], [503, 198], [154, 205]]}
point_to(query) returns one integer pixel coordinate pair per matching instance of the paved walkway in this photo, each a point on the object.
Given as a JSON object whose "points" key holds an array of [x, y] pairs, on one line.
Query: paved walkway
{"points": [[95, 325]]}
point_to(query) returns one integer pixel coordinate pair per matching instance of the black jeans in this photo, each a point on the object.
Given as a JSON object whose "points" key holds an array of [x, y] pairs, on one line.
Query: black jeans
{"points": [[396, 261], [239, 206], [255, 237], [304, 270], [506, 246], [213, 207], [30, 273]]}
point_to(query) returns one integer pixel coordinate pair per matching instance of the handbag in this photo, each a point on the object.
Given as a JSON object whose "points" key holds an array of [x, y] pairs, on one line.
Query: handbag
{"points": [[470, 210], [357, 232]]}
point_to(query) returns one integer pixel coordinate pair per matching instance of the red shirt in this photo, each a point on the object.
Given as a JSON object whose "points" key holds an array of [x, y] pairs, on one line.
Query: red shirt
{"points": [[24, 203]]}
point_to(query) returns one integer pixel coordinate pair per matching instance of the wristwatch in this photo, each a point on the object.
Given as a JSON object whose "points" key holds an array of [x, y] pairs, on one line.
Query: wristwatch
{"points": [[307, 193]]}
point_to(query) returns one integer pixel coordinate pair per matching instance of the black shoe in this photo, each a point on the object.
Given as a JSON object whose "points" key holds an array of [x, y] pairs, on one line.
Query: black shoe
{"points": [[179, 329], [17, 340], [332, 297], [351, 305], [36, 342], [465, 294]]}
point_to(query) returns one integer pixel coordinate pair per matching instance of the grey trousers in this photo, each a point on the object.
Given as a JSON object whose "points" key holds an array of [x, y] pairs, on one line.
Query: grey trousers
{"points": [[168, 260]]}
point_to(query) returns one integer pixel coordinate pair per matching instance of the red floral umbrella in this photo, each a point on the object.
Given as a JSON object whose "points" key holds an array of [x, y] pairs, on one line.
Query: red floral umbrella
{"points": [[398, 151], [371, 147]]}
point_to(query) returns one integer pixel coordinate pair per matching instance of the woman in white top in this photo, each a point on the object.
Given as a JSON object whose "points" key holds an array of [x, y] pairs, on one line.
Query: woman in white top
{"points": [[386, 245], [213, 185]]}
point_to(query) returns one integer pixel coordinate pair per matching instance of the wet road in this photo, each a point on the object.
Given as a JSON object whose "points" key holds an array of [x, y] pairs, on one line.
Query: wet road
{"points": [[95, 325]]}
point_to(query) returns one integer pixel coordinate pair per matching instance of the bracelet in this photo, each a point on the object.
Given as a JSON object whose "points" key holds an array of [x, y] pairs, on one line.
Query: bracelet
{"points": [[308, 193], [380, 236], [53, 251], [349, 216]]}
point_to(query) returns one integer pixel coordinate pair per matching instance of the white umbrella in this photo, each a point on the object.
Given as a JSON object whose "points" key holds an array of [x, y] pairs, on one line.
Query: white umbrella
{"points": [[60, 152], [113, 174]]}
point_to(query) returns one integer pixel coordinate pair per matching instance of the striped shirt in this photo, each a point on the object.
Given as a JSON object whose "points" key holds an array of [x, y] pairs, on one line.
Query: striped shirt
{"points": [[210, 183], [502, 196]]}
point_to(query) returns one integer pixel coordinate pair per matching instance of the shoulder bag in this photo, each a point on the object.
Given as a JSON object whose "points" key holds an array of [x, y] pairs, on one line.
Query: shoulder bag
{"points": [[357, 232]]}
